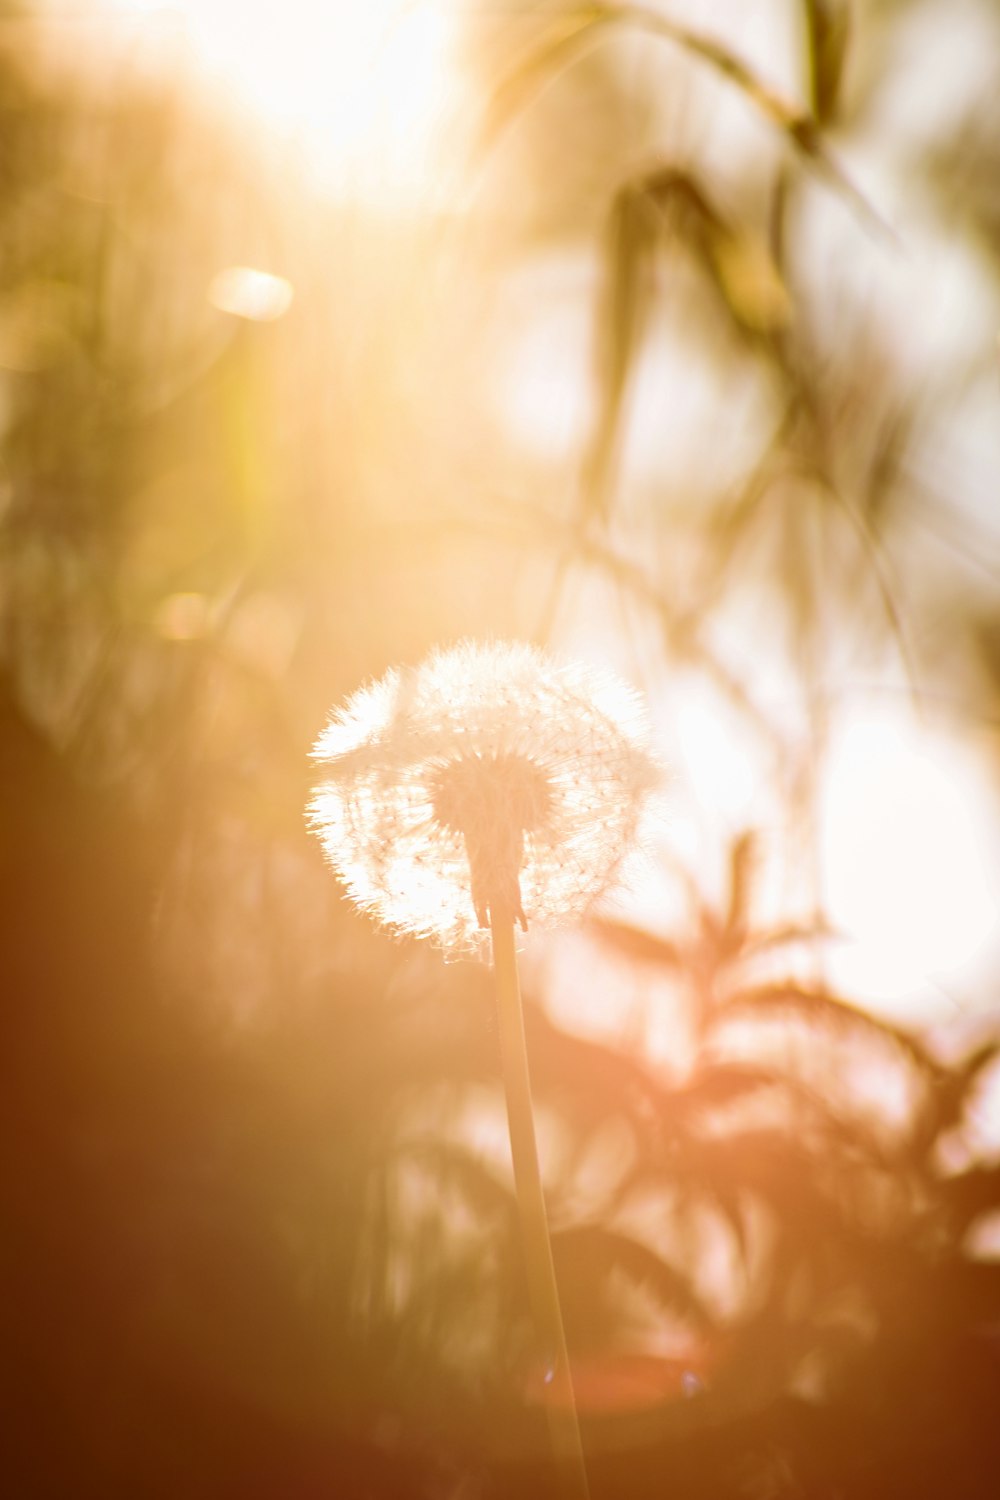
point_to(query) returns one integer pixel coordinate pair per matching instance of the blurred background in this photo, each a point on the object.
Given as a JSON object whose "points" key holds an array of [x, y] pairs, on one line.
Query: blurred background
{"points": [[666, 335]]}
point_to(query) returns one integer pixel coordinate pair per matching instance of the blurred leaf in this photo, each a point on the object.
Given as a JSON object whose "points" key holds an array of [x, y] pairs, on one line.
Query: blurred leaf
{"points": [[597, 1081], [589, 1254], [742, 861], [752, 284], [565, 37], [575, 28], [476, 1183], [820, 1006], [635, 943], [715, 1085], [630, 245], [829, 28], [947, 1100], [768, 1166], [734, 260], [786, 936], [809, 139], [778, 109], [799, 126]]}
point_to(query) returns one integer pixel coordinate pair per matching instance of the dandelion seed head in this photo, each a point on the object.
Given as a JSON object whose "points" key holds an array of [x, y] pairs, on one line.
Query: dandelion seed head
{"points": [[489, 778]]}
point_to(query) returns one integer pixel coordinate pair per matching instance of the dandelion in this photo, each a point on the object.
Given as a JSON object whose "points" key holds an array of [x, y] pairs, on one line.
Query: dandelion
{"points": [[489, 779], [490, 786]]}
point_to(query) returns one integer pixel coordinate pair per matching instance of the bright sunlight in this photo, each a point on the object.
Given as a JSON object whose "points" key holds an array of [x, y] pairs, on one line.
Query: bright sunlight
{"points": [[909, 830], [365, 86]]}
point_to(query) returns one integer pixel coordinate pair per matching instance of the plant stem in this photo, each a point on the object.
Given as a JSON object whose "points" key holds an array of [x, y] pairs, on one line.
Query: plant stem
{"points": [[543, 1295]]}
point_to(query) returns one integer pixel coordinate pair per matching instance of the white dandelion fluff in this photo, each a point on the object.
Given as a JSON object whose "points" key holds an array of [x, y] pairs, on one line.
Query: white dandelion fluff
{"points": [[488, 786], [490, 780]]}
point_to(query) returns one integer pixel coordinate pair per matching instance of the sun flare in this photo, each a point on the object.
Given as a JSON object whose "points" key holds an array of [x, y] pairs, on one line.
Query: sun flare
{"points": [[365, 86]]}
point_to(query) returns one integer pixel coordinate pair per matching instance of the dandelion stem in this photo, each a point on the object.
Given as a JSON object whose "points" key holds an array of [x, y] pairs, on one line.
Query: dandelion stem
{"points": [[564, 1426]]}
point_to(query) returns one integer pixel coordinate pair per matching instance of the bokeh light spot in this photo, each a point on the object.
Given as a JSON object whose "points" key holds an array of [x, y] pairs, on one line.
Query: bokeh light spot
{"points": [[255, 295]]}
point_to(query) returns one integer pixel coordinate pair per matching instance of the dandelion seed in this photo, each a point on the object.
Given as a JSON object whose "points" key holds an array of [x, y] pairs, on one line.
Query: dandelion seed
{"points": [[489, 779], [488, 786]]}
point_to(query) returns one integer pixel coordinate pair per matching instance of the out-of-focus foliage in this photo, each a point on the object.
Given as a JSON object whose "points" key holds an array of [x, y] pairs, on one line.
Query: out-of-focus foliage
{"points": [[644, 371]]}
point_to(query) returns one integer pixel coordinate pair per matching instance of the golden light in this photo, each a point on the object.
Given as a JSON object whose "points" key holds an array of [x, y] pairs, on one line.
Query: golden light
{"points": [[363, 85], [184, 617], [909, 834], [255, 295]]}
